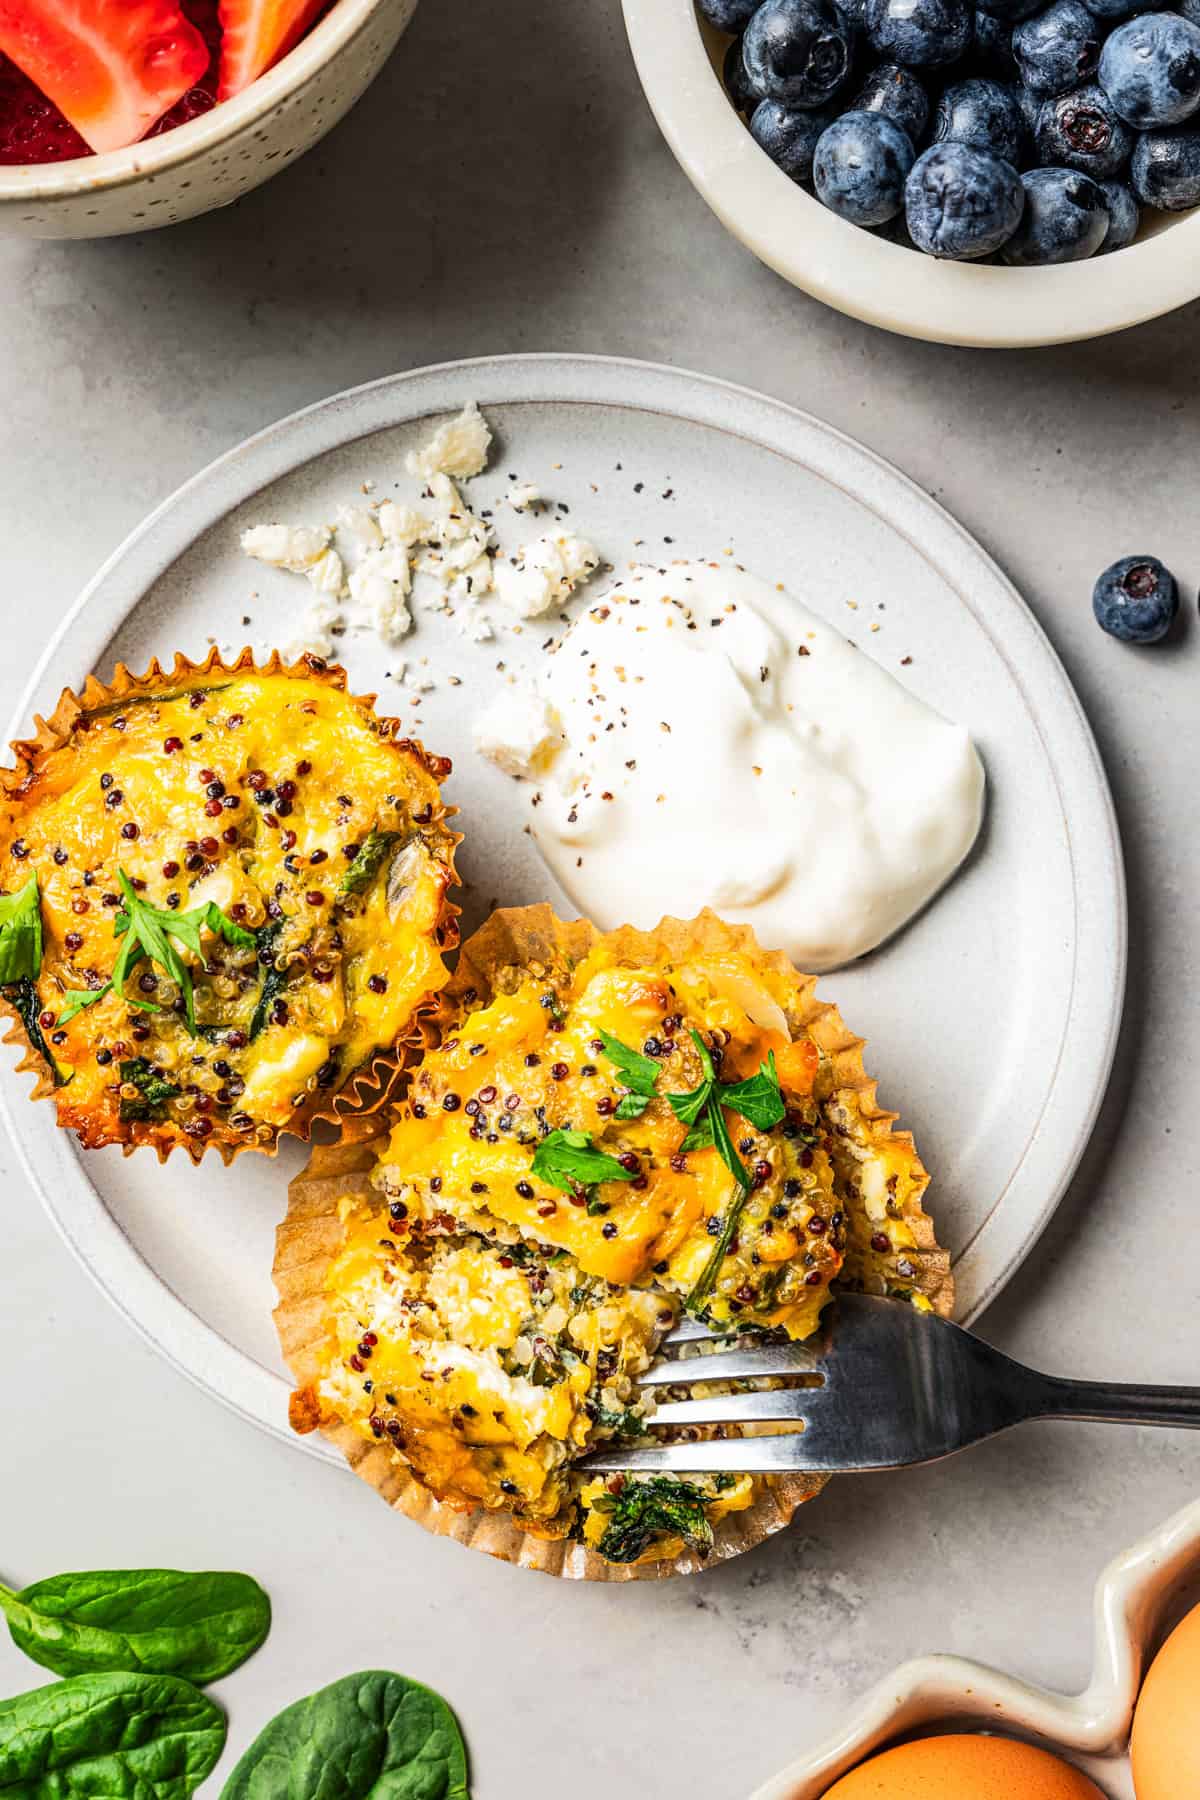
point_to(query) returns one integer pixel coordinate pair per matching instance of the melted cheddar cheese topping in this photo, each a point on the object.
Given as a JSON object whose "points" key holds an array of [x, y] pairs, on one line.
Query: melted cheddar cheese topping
{"points": [[489, 1323], [315, 831]]}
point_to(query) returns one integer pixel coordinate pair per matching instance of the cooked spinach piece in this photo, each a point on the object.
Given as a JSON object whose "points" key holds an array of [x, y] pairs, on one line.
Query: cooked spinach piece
{"points": [[100, 1737], [198, 1625], [274, 980], [24, 996], [375, 1734], [622, 1424], [152, 1085], [370, 858], [646, 1510]]}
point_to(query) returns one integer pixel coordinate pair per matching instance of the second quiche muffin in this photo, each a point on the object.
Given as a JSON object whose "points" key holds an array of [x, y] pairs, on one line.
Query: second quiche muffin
{"points": [[614, 1130], [224, 896]]}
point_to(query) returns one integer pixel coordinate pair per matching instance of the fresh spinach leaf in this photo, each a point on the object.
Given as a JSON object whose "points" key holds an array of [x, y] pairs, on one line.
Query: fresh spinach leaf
{"points": [[152, 1085], [21, 933], [646, 1510], [375, 1734], [24, 996], [569, 1160], [369, 859], [109, 1737], [198, 1625]]}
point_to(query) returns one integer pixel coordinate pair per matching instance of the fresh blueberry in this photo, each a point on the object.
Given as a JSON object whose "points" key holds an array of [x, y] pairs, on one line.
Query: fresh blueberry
{"points": [[984, 114], [1011, 10], [1136, 600], [1111, 10], [789, 136], [1124, 216], [1166, 169], [1065, 219], [1190, 10], [734, 76], [993, 51], [1057, 49], [860, 166], [1081, 131], [797, 50], [1150, 70], [898, 95], [920, 33], [962, 203], [728, 15]]}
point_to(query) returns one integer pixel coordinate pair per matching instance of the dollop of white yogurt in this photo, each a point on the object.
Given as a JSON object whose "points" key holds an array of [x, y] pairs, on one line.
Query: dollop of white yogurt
{"points": [[705, 740]]}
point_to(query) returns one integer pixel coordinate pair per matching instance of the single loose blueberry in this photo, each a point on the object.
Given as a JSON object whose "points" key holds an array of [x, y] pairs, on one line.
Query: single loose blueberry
{"points": [[1136, 600], [1190, 9], [728, 15], [797, 50], [1065, 219], [860, 166], [1124, 216], [1122, 9], [984, 114], [898, 95], [921, 34], [1165, 171], [1150, 70], [733, 74], [962, 203], [1081, 130], [1057, 49], [992, 52], [789, 135]]}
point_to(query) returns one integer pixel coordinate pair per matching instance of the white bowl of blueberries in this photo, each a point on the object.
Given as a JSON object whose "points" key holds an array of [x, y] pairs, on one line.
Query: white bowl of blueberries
{"points": [[986, 172]]}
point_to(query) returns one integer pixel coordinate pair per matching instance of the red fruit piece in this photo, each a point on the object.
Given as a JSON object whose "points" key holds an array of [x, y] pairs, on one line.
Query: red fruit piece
{"points": [[257, 34], [112, 67]]}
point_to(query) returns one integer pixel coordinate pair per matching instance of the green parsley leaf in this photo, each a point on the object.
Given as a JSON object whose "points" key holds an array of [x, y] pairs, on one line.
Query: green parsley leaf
{"points": [[700, 1137], [706, 1062], [688, 1107], [637, 1071], [758, 1098], [78, 998], [724, 1143], [20, 933], [149, 931], [632, 1106], [569, 1160]]}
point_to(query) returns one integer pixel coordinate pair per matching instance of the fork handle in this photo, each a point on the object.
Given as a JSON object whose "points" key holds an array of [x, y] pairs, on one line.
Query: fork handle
{"points": [[1119, 1402]]}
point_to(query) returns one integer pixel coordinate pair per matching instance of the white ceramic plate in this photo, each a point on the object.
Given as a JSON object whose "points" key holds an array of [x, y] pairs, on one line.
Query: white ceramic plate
{"points": [[992, 1019]]}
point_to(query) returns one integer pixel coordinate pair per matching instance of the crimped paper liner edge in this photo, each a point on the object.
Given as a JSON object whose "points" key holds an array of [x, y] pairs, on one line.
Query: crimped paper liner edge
{"points": [[366, 1089], [309, 1237]]}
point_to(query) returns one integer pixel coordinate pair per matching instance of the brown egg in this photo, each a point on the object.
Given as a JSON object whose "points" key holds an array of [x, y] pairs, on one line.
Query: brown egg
{"points": [[967, 1768], [1166, 1744]]}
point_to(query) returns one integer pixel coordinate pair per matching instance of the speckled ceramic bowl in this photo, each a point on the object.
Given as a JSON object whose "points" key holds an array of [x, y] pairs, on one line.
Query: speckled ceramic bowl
{"points": [[1138, 1598], [212, 160], [861, 274]]}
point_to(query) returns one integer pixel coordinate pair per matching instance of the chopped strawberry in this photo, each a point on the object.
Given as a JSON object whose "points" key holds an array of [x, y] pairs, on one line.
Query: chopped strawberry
{"points": [[112, 67], [257, 34]]}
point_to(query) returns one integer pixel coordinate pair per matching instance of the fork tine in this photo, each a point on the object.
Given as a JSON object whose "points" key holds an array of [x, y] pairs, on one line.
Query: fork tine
{"points": [[690, 1331], [741, 1409], [733, 1456], [732, 1365]]}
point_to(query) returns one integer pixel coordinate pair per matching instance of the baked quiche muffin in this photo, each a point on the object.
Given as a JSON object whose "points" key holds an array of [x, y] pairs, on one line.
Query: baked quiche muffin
{"points": [[614, 1131], [224, 898]]}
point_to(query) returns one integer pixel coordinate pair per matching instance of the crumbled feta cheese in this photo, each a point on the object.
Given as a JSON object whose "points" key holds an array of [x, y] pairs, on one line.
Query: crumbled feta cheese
{"points": [[402, 524], [328, 573], [314, 634], [380, 585], [458, 448], [520, 732], [292, 547], [359, 525], [544, 574], [523, 496]]}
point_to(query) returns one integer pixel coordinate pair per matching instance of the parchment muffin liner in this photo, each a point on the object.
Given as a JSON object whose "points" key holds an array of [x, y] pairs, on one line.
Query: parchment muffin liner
{"points": [[367, 1088], [310, 1237]]}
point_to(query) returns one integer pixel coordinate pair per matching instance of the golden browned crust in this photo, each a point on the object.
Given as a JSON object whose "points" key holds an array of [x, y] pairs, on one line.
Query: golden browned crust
{"points": [[365, 1089], [311, 1235]]}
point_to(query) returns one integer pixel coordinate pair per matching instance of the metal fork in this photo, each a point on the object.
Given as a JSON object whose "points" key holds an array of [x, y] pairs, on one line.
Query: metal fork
{"points": [[885, 1386]]}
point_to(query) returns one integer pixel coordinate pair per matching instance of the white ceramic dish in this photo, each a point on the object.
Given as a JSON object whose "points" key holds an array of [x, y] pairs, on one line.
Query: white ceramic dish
{"points": [[860, 274], [212, 160], [992, 1019], [1139, 1596]]}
